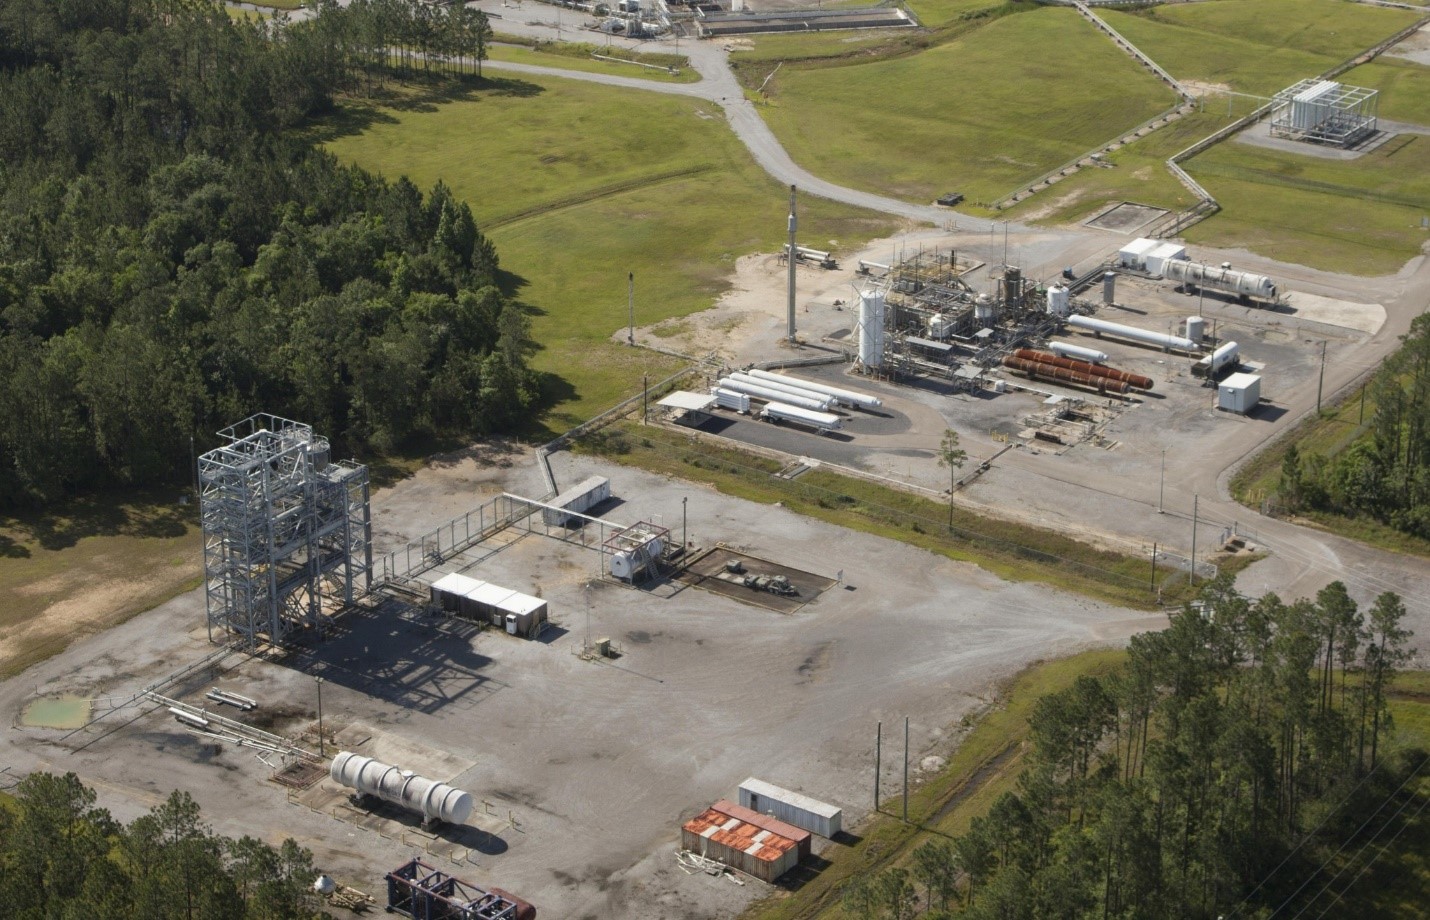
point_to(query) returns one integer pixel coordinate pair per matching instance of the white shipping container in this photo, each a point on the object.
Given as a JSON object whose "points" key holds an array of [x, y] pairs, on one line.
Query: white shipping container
{"points": [[802, 811], [447, 592], [1239, 393], [579, 498]]}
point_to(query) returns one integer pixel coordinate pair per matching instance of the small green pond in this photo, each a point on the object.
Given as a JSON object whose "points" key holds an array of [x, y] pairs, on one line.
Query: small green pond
{"points": [[56, 712]]}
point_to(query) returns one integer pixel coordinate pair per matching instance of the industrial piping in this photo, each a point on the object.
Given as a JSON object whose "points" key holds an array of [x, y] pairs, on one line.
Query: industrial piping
{"points": [[1084, 367], [1034, 370]]}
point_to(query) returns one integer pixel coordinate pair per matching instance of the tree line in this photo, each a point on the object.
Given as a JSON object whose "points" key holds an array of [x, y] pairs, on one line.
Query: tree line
{"points": [[1214, 774], [62, 858], [1385, 473], [178, 255]]}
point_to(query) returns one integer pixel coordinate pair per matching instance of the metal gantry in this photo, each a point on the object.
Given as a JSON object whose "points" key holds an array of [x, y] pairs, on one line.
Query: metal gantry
{"points": [[284, 528]]}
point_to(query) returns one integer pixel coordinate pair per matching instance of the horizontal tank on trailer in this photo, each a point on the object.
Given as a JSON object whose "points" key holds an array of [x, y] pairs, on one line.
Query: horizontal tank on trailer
{"points": [[770, 394], [847, 397], [785, 386], [781, 412], [1227, 355], [1220, 278]]}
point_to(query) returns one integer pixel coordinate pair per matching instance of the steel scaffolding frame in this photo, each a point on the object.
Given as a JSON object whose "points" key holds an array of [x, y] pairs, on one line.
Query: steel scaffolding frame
{"points": [[284, 528]]}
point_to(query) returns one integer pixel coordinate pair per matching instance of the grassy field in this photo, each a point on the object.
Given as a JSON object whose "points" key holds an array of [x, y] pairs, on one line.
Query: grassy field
{"points": [[92, 563], [1404, 87], [1336, 428], [1011, 550], [579, 184], [1256, 46], [960, 116], [1360, 216]]}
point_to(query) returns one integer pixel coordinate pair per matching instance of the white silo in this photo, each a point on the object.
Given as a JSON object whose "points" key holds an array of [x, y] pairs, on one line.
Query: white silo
{"points": [[871, 328], [1059, 301], [985, 312]]}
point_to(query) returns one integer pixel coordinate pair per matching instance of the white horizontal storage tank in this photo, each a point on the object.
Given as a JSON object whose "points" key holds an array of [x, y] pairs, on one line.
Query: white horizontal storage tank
{"points": [[772, 395], [1059, 301], [871, 328], [1239, 393], [1064, 350], [436, 801], [802, 811], [628, 564], [1103, 327], [824, 421], [731, 399], [847, 397], [579, 498], [785, 386], [1220, 278], [1225, 355]]}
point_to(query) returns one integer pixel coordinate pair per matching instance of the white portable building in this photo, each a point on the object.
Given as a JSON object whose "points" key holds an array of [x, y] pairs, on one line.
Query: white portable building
{"points": [[447, 592], [1161, 254], [1239, 393], [1134, 254], [802, 811], [579, 498]]}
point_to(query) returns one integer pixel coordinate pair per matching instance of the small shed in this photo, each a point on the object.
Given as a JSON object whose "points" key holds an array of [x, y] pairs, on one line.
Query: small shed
{"points": [[791, 807], [1239, 393], [745, 840]]}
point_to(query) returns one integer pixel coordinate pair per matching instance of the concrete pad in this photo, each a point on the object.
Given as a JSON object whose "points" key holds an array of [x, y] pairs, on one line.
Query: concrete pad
{"points": [[1363, 317]]}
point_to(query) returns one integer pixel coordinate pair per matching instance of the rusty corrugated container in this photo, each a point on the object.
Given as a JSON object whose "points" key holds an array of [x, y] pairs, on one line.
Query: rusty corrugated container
{"points": [[1036, 369], [746, 841]]}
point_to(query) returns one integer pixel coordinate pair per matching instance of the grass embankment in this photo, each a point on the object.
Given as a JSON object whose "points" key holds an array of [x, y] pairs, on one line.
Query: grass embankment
{"points": [[1361, 217], [1328, 434], [579, 184], [1256, 46], [88, 565], [579, 56], [979, 115], [1008, 549], [985, 764], [1404, 88]]}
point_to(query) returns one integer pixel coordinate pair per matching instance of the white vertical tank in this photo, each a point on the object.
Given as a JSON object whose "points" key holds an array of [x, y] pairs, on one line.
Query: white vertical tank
{"points": [[1196, 328], [984, 311], [1059, 301], [871, 328]]}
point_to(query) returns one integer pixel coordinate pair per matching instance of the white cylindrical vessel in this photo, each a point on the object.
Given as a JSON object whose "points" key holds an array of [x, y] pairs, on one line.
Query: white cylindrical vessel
{"points": [[434, 800], [940, 327], [1064, 350], [1227, 353], [785, 386], [985, 312], [871, 328], [1147, 337], [1059, 301], [824, 421], [1220, 278], [848, 397], [771, 395], [1196, 328]]}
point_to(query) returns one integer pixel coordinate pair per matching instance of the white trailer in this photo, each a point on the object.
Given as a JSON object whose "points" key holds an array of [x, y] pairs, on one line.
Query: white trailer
{"points": [[771, 395], [783, 412], [847, 397], [786, 386], [802, 811], [730, 399]]}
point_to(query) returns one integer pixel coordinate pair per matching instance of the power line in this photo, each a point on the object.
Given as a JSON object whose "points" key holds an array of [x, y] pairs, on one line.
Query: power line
{"points": [[1353, 881]]}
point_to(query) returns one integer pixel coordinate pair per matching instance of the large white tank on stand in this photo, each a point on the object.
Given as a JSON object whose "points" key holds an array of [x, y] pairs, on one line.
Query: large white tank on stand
{"points": [[434, 800], [1059, 301], [871, 328], [985, 313]]}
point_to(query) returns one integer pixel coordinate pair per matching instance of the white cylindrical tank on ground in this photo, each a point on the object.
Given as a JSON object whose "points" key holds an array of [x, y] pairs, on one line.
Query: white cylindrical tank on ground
{"points": [[1109, 287], [847, 397], [785, 386], [771, 395], [1196, 328], [1220, 278], [1227, 353], [435, 800], [1103, 327], [1059, 301], [1064, 350], [824, 421], [871, 328]]}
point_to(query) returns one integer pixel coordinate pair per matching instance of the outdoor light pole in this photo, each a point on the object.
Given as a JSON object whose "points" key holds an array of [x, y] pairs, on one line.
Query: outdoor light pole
{"points": [[321, 752], [684, 534]]}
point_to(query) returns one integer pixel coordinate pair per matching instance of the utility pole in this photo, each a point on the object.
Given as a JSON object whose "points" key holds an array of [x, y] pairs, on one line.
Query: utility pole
{"points": [[321, 752], [1321, 380], [631, 306], [1154, 567], [906, 769], [1162, 482], [878, 753], [645, 399], [684, 533], [792, 257], [1193, 576], [1005, 244]]}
